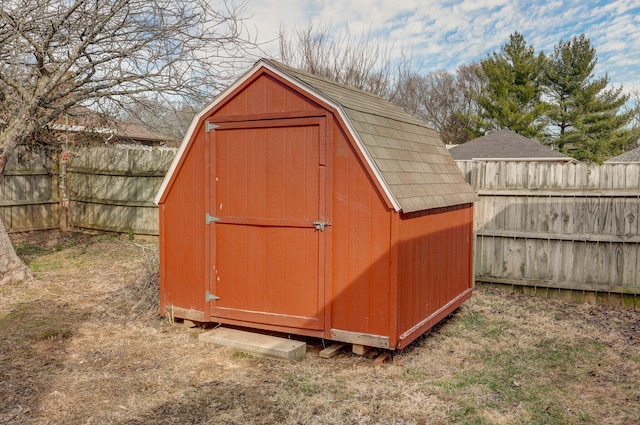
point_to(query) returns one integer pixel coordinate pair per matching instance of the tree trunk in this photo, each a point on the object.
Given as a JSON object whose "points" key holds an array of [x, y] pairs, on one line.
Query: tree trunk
{"points": [[12, 268]]}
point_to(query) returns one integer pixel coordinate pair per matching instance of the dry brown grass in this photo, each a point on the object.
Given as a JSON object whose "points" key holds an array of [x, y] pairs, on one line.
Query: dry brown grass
{"points": [[83, 345]]}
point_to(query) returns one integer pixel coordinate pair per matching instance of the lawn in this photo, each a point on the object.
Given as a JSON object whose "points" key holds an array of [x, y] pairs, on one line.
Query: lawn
{"points": [[83, 345]]}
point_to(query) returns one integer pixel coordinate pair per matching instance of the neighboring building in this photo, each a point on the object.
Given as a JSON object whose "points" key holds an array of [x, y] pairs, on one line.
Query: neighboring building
{"points": [[633, 156], [505, 144], [86, 125]]}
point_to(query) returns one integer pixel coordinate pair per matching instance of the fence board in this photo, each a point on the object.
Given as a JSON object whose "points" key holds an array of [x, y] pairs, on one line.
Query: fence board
{"points": [[563, 226], [113, 187], [109, 188], [28, 190], [631, 263]]}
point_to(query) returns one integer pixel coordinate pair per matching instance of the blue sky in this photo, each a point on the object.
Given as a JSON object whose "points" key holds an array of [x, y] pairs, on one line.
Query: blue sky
{"points": [[442, 34]]}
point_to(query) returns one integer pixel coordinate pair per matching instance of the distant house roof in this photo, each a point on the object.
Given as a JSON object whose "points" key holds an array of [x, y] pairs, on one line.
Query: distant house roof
{"points": [[505, 144], [626, 158], [406, 155], [81, 119]]}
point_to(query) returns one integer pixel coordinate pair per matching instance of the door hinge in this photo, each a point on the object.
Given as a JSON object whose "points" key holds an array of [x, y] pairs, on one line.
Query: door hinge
{"points": [[320, 225], [208, 126], [208, 218], [210, 297]]}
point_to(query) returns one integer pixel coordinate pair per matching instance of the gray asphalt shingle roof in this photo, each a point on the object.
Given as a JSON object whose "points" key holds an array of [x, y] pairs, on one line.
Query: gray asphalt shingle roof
{"points": [[504, 144], [627, 157], [408, 154]]}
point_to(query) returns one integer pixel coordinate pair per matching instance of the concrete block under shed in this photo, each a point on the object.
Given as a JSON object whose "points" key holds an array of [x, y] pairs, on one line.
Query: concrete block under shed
{"points": [[256, 344]]}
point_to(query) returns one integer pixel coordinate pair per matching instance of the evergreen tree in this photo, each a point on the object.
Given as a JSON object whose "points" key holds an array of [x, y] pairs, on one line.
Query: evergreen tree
{"points": [[512, 96], [585, 117]]}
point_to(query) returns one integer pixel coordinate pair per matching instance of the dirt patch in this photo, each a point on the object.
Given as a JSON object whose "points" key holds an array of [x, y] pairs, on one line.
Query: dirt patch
{"points": [[79, 346]]}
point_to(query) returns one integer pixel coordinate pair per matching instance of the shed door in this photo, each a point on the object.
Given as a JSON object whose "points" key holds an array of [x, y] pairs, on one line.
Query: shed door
{"points": [[267, 187]]}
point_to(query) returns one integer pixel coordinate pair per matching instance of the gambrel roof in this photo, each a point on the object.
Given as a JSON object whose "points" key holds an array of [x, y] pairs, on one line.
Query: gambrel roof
{"points": [[406, 155]]}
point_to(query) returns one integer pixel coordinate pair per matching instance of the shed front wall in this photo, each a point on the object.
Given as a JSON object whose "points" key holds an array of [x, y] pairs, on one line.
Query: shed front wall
{"points": [[264, 259], [358, 279], [182, 244], [435, 274]]}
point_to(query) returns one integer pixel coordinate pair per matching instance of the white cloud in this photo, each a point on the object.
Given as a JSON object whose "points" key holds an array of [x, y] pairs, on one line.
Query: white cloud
{"points": [[449, 33]]}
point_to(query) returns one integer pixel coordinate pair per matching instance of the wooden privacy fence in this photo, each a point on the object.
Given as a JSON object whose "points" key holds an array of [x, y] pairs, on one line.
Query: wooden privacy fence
{"points": [[29, 191], [565, 226], [112, 188], [99, 187], [539, 225]]}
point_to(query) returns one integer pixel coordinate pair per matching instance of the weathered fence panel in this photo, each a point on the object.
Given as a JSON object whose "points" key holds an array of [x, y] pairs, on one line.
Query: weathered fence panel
{"points": [[112, 188], [98, 187], [29, 192], [557, 225]]}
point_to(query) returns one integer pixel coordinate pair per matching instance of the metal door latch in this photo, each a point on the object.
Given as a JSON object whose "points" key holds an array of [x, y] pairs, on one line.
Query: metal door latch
{"points": [[320, 225], [210, 297], [208, 218]]}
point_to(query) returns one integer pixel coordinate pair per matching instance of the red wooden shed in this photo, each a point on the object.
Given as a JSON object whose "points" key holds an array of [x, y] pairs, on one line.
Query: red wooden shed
{"points": [[300, 205]]}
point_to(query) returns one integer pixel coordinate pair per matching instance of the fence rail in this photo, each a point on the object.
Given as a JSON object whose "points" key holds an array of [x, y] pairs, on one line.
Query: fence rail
{"points": [[557, 225], [28, 191], [112, 188], [100, 187]]}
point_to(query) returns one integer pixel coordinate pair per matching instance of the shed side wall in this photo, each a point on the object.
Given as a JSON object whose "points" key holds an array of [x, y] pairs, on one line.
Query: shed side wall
{"points": [[361, 228], [434, 267], [182, 243]]}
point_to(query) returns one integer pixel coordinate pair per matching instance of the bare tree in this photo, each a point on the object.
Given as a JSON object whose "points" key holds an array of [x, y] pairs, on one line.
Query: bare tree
{"points": [[358, 62], [633, 106], [472, 82], [55, 54], [169, 119], [441, 99], [404, 92], [445, 100]]}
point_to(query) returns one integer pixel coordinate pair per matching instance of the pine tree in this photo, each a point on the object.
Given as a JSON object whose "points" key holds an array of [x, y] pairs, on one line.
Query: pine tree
{"points": [[585, 117], [512, 97]]}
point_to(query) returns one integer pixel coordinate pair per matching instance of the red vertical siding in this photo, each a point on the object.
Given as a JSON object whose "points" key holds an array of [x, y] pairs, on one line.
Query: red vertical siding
{"points": [[361, 244], [182, 243], [264, 95], [434, 266]]}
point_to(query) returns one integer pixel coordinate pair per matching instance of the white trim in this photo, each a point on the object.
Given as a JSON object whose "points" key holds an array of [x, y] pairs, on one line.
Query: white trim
{"points": [[301, 85], [81, 128]]}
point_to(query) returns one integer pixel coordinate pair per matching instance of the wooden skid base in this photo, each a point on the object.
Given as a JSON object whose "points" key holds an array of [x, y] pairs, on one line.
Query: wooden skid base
{"points": [[332, 350]]}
